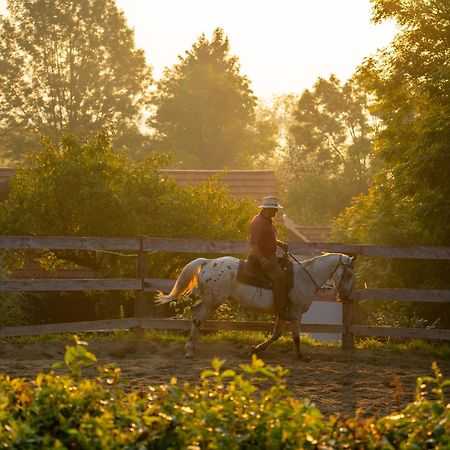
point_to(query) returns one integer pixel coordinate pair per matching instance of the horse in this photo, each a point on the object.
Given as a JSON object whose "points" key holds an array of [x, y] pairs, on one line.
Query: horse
{"points": [[215, 281]]}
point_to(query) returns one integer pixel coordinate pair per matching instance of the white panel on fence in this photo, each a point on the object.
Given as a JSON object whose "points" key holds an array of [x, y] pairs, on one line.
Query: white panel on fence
{"points": [[324, 313]]}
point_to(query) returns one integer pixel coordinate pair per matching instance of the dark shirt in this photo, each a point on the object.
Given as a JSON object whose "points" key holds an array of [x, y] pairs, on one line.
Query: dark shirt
{"points": [[263, 234]]}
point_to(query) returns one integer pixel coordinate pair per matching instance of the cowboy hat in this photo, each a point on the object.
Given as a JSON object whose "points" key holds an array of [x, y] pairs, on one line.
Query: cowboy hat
{"points": [[270, 202]]}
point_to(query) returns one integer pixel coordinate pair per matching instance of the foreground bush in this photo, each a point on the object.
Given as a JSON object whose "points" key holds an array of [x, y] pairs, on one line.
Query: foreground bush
{"points": [[225, 410]]}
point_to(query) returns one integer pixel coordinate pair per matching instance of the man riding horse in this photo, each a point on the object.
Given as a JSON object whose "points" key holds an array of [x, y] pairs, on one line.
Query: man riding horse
{"points": [[263, 253], [216, 281]]}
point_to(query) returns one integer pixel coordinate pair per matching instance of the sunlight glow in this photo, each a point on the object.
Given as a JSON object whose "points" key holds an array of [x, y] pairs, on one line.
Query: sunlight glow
{"points": [[282, 46]]}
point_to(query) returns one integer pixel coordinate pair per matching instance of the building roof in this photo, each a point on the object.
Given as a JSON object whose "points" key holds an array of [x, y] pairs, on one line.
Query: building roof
{"points": [[251, 184], [307, 234], [248, 184]]}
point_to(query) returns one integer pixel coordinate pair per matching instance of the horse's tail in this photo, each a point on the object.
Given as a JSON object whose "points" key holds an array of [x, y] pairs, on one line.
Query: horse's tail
{"points": [[186, 282]]}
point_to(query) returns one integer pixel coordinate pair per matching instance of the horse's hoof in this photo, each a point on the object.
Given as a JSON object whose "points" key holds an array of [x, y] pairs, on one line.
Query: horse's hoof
{"points": [[252, 351], [304, 358], [189, 355]]}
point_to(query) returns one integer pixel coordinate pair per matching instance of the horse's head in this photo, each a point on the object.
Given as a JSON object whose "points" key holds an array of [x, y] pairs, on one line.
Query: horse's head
{"points": [[344, 276]]}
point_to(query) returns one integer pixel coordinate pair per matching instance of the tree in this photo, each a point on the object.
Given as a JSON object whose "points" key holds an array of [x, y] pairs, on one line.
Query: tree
{"points": [[331, 132], [204, 108], [68, 67], [411, 82], [326, 153], [409, 202], [266, 138]]}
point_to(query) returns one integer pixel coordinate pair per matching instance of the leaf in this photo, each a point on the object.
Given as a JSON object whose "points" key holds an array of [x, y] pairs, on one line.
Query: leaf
{"points": [[267, 373], [228, 373], [438, 409], [217, 364], [208, 373]]}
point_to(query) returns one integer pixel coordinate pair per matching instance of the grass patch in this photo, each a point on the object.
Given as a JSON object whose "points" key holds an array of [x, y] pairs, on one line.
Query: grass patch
{"points": [[249, 337], [255, 337], [414, 345], [244, 337]]}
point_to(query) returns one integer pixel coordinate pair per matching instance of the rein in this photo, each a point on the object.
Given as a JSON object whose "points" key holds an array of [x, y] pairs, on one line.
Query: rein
{"points": [[301, 265], [310, 276]]}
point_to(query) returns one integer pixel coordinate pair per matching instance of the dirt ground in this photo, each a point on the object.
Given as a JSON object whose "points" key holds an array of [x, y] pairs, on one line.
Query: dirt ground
{"points": [[377, 382]]}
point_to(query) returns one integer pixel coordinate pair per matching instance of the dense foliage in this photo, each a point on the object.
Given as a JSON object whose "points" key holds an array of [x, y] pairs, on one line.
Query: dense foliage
{"points": [[75, 188], [409, 201], [68, 67], [252, 409]]}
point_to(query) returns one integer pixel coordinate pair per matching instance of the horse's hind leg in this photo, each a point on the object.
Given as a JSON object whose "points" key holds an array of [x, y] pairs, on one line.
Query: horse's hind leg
{"points": [[276, 334], [199, 314]]}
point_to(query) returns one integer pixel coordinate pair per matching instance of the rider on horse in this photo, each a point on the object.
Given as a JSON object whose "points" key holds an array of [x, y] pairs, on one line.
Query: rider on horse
{"points": [[263, 249]]}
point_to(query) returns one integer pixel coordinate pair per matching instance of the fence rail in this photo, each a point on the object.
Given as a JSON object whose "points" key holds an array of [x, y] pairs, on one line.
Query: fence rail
{"points": [[157, 284], [212, 246], [142, 246]]}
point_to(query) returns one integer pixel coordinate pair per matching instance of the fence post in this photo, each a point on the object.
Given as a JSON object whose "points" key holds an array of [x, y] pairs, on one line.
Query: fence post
{"points": [[142, 266], [348, 338]]}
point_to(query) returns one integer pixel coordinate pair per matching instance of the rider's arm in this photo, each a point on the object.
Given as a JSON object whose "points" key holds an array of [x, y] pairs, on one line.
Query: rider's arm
{"points": [[283, 245]]}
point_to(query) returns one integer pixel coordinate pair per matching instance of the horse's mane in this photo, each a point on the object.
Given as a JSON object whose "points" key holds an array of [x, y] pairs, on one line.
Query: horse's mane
{"points": [[307, 262], [310, 261]]}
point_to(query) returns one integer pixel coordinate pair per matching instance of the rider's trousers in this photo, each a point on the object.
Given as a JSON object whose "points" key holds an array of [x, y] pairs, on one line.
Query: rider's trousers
{"points": [[277, 276]]}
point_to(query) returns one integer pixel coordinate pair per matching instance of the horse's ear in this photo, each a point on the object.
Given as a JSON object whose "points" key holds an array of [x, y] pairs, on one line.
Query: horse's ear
{"points": [[352, 261]]}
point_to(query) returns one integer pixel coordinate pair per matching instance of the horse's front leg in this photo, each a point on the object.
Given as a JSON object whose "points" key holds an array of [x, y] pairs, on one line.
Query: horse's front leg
{"points": [[295, 324], [276, 334]]}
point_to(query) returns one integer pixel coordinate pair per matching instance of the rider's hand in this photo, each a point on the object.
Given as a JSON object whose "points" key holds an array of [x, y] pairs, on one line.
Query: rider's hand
{"points": [[265, 264]]}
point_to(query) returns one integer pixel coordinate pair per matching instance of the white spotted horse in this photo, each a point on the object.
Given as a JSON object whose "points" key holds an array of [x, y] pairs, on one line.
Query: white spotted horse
{"points": [[215, 281]]}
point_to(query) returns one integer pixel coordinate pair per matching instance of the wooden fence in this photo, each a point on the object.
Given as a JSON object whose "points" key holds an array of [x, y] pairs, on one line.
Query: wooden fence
{"points": [[143, 285]]}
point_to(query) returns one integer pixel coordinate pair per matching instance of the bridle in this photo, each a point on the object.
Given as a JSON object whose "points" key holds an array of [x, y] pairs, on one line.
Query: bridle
{"points": [[346, 267], [339, 263]]}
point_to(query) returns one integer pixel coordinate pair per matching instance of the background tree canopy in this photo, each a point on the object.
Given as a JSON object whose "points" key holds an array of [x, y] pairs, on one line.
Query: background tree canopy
{"points": [[409, 201], [205, 109], [326, 153], [68, 67]]}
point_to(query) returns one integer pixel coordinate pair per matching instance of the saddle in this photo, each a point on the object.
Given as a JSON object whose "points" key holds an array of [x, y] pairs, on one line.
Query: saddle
{"points": [[249, 273]]}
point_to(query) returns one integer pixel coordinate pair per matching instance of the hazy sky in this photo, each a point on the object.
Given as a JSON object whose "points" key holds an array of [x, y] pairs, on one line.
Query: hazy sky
{"points": [[283, 46]]}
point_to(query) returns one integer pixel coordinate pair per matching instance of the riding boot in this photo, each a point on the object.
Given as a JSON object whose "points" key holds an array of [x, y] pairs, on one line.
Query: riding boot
{"points": [[280, 299]]}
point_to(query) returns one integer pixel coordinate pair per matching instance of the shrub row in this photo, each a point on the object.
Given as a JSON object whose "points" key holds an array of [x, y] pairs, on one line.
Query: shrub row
{"points": [[69, 409]]}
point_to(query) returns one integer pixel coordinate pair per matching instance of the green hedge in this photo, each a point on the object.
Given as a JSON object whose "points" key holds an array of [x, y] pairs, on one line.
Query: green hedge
{"points": [[69, 409]]}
